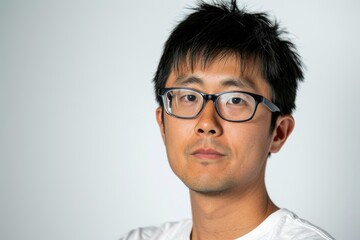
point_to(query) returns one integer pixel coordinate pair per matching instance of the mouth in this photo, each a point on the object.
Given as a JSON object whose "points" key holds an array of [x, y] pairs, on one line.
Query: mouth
{"points": [[203, 153]]}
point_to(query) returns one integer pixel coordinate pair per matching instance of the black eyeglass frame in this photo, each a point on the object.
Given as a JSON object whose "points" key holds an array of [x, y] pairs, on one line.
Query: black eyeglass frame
{"points": [[258, 99]]}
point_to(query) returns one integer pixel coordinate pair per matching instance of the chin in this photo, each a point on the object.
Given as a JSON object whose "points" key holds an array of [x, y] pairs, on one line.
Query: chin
{"points": [[210, 187], [211, 192]]}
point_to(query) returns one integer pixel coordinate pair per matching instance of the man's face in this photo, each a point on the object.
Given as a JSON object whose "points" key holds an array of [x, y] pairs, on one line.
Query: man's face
{"points": [[210, 154]]}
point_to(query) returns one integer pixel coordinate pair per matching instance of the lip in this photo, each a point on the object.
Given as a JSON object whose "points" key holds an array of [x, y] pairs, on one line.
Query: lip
{"points": [[207, 153]]}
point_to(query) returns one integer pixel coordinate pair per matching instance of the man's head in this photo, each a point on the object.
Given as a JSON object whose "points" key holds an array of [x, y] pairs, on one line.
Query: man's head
{"points": [[221, 49], [223, 29]]}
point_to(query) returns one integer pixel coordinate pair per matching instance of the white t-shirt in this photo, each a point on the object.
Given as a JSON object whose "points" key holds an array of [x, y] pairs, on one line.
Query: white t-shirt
{"points": [[282, 224]]}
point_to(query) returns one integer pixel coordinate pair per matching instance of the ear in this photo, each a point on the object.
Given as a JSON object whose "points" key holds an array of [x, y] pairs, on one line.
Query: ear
{"points": [[283, 128], [159, 119]]}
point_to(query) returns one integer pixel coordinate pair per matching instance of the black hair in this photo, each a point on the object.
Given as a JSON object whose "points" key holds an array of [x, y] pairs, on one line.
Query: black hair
{"points": [[221, 29]]}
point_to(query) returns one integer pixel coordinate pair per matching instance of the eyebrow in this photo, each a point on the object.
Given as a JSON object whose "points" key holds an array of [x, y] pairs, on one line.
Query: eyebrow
{"points": [[184, 80], [240, 83]]}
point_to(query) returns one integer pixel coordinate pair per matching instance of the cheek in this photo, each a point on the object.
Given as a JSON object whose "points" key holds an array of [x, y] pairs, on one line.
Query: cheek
{"points": [[249, 143], [249, 148], [177, 135]]}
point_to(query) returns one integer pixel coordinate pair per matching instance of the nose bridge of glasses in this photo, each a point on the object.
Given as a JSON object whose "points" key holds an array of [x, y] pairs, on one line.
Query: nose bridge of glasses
{"points": [[208, 97]]}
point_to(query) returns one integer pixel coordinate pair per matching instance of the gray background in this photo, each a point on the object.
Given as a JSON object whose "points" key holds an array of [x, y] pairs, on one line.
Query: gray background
{"points": [[81, 156]]}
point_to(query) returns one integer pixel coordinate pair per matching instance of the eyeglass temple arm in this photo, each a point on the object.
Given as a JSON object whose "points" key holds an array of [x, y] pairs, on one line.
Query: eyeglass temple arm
{"points": [[272, 107]]}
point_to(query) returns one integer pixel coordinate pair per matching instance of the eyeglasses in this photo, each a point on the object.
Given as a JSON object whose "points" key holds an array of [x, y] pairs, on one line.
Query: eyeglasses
{"points": [[233, 106]]}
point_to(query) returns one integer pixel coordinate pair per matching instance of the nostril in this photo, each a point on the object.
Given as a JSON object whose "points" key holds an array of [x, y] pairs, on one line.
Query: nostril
{"points": [[212, 131], [201, 131]]}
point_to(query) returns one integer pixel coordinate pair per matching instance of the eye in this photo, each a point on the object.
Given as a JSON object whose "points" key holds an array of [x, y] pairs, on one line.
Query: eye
{"points": [[235, 100], [189, 98]]}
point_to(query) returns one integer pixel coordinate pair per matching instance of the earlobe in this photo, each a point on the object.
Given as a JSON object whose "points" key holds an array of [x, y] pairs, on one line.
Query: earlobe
{"points": [[284, 126], [159, 119]]}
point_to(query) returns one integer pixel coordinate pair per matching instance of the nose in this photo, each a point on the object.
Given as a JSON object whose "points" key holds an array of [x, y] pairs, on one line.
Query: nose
{"points": [[209, 122]]}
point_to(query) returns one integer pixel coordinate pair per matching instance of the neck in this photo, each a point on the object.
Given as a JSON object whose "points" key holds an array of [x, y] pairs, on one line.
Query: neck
{"points": [[228, 215]]}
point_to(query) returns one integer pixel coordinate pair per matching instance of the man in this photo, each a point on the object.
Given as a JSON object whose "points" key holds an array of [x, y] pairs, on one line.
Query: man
{"points": [[226, 85]]}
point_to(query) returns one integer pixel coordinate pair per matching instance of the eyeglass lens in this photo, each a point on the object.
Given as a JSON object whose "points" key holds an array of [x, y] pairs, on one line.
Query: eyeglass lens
{"points": [[186, 103]]}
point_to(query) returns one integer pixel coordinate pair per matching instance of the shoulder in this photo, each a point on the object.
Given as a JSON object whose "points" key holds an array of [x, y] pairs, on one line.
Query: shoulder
{"points": [[168, 230], [290, 226]]}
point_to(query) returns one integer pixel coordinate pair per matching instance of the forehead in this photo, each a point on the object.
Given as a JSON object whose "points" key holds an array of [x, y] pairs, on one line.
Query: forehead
{"points": [[224, 71]]}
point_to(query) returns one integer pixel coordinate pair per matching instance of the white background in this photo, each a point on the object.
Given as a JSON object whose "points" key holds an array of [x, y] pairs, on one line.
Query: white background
{"points": [[81, 156]]}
